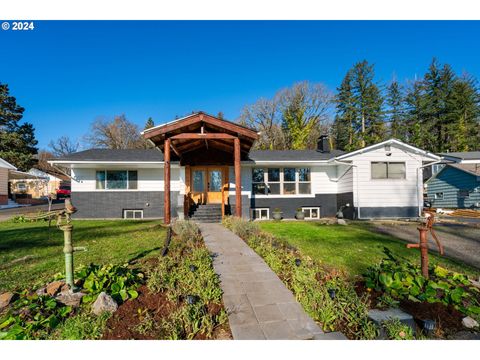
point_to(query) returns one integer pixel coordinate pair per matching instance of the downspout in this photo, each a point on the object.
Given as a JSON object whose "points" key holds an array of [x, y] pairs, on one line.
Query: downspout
{"points": [[356, 187], [420, 206]]}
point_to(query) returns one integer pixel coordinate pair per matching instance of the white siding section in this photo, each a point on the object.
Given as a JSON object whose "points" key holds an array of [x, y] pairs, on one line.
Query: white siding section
{"points": [[345, 182], [3, 181], [370, 192], [148, 180], [323, 179]]}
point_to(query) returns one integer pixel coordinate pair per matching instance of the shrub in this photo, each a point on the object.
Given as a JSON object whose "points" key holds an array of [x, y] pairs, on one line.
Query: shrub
{"points": [[82, 326], [186, 230], [244, 229]]}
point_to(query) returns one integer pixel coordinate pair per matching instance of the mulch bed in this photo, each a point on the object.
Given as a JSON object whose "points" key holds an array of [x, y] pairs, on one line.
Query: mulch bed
{"points": [[123, 324]]}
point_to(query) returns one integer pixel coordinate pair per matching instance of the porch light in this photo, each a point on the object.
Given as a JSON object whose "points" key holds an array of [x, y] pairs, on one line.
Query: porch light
{"points": [[193, 268], [331, 293], [298, 262]]}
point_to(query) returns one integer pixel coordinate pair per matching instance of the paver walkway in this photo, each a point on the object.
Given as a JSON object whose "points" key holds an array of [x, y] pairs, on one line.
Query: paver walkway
{"points": [[259, 306]]}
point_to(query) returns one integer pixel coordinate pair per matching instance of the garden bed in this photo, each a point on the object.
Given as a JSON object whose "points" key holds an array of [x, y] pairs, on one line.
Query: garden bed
{"points": [[176, 296]]}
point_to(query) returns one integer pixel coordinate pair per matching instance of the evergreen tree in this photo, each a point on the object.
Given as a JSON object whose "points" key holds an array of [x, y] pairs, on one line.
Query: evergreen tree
{"points": [[415, 110], [396, 110], [368, 102], [17, 141], [346, 126], [149, 124]]}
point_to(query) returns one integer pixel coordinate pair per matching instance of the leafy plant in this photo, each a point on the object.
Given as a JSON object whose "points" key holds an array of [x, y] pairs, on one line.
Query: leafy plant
{"points": [[401, 279], [186, 230], [32, 317], [82, 326], [119, 281]]}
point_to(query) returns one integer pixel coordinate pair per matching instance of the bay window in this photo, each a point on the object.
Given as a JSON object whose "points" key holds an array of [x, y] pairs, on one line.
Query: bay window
{"points": [[281, 181], [116, 180]]}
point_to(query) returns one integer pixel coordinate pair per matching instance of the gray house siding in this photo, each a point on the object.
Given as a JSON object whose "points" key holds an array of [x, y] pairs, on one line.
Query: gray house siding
{"points": [[450, 181], [110, 204], [387, 212], [326, 202]]}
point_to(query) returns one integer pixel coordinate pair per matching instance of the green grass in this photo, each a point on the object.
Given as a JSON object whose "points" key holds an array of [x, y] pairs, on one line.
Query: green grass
{"points": [[351, 248], [114, 241]]}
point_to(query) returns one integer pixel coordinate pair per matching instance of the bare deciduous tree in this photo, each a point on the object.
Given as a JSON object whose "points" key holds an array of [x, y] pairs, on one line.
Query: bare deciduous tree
{"points": [[293, 119], [116, 134], [63, 146]]}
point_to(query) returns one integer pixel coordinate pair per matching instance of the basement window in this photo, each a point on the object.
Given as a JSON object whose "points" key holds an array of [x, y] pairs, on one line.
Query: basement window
{"points": [[311, 212], [260, 213], [133, 214], [439, 196]]}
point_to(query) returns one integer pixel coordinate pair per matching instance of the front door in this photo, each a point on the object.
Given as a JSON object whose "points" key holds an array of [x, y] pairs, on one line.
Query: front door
{"points": [[207, 184]]}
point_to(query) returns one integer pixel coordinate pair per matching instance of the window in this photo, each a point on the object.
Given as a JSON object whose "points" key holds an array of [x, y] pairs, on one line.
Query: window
{"points": [[463, 193], [388, 170], [133, 214], [116, 180], [439, 196], [260, 214], [311, 212], [281, 181]]}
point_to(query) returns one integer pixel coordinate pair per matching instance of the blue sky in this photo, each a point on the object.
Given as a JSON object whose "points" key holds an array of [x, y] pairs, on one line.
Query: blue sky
{"points": [[68, 73]]}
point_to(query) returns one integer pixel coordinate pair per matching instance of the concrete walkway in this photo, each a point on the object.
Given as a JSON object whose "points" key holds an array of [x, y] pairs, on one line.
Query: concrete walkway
{"points": [[259, 306]]}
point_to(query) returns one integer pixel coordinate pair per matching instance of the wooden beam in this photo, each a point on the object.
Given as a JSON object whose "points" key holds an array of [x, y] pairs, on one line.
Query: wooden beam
{"points": [[221, 146], [166, 182], [188, 144], [230, 126], [203, 136], [238, 178], [175, 150]]}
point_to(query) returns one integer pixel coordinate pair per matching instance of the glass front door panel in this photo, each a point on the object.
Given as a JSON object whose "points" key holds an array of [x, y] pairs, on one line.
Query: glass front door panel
{"points": [[198, 178], [215, 181]]}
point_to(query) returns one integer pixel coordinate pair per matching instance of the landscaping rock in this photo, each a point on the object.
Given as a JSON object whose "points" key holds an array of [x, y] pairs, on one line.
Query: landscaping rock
{"points": [[42, 291], [6, 299], [469, 323], [379, 316], [341, 222], [54, 287], [465, 335], [104, 303], [69, 298]]}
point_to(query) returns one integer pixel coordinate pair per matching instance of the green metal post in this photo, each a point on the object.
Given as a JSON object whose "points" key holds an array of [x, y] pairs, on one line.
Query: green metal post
{"points": [[68, 250]]}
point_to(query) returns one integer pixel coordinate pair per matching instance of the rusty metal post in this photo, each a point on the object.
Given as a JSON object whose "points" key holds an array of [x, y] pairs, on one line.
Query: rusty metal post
{"points": [[424, 250]]}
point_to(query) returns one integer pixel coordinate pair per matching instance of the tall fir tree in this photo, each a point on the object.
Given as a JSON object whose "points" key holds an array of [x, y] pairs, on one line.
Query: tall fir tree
{"points": [[395, 111], [17, 141], [414, 114], [345, 127]]}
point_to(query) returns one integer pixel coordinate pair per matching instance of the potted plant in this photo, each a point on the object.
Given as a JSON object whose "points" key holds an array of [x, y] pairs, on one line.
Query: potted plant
{"points": [[300, 215], [277, 214]]}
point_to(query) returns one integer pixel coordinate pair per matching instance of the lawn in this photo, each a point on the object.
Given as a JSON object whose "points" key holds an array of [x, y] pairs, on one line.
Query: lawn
{"points": [[116, 242], [352, 248]]}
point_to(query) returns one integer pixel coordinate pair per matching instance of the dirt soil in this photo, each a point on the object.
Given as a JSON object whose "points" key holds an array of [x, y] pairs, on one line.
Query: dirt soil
{"points": [[123, 325]]}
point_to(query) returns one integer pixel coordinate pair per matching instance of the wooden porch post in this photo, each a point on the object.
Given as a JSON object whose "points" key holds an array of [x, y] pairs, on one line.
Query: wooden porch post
{"points": [[166, 182], [238, 178]]}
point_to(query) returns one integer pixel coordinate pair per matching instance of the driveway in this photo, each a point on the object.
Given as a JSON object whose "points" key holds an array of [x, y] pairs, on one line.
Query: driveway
{"points": [[460, 240], [6, 214]]}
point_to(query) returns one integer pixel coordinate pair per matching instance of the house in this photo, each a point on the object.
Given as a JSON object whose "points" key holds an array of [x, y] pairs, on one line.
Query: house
{"points": [[45, 183], [9, 173], [456, 183], [203, 166]]}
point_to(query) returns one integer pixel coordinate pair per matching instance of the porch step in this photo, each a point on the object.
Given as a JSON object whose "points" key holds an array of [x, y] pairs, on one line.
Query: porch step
{"points": [[211, 213]]}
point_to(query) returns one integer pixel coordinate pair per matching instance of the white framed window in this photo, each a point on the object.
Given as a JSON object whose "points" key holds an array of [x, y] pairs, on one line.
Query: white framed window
{"points": [[311, 212], [132, 214], [281, 181], [116, 180], [388, 170], [260, 213], [439, 196]]}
